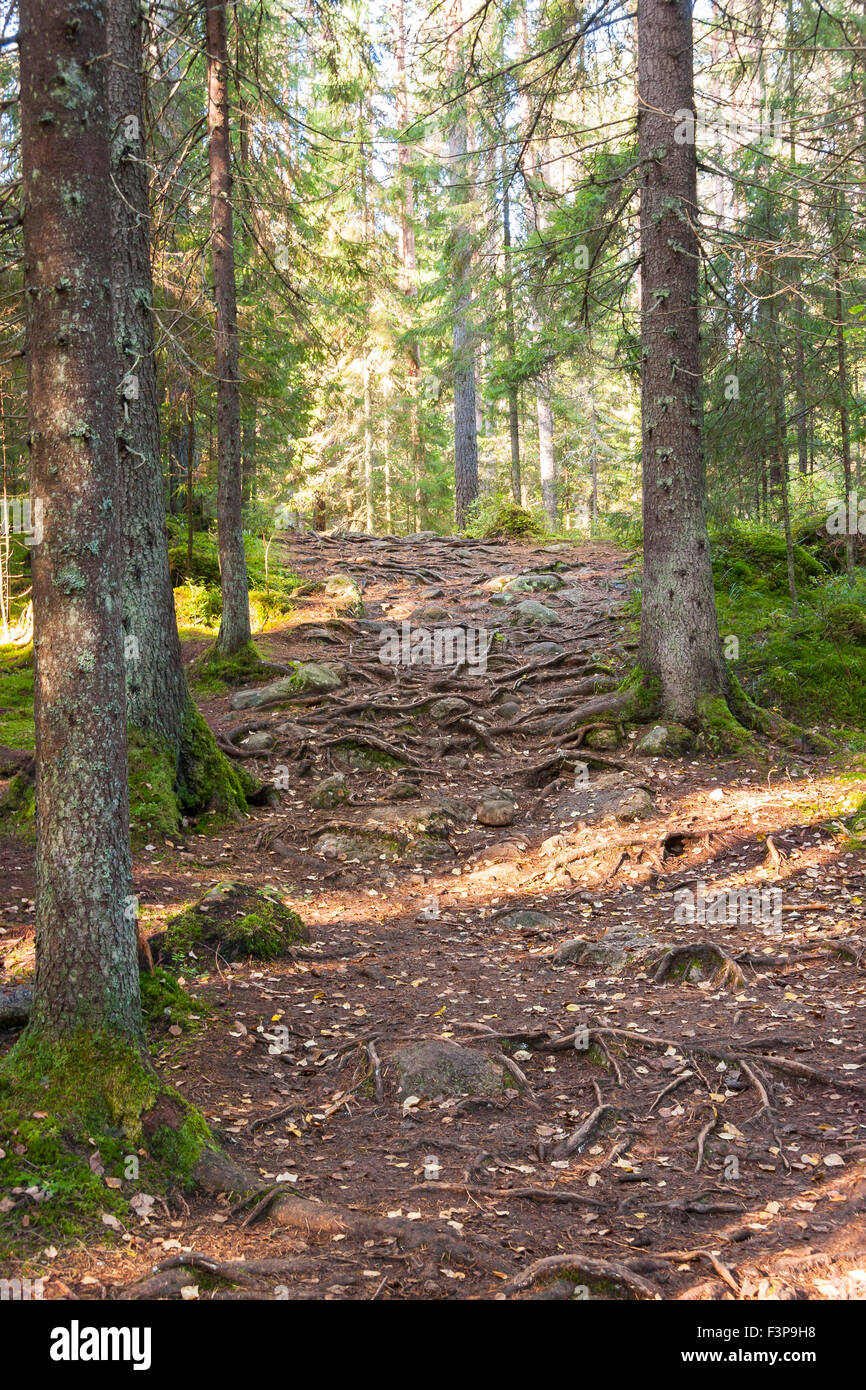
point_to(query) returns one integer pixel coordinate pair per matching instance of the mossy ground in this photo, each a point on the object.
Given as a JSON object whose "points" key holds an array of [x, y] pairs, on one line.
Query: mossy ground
{"points": [[198, 601], [16, 705], [165, 1004], [811, 669], [498, 517], [240, 922], [74, 1114]]}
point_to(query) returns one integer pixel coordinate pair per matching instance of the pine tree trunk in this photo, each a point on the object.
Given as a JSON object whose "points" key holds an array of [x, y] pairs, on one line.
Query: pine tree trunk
{"points": [[409, 262], [86, 960], [159, 705], [463, 350], [234, 633], [510, 343], [679, 639]]}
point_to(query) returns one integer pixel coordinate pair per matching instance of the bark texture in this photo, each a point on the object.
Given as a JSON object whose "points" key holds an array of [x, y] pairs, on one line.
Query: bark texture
{"points": [[679, 641], [234, 633], [86, 961]]}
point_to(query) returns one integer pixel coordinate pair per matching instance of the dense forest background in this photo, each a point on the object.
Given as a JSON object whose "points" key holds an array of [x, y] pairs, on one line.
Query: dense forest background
{"points": [[409, 175]]}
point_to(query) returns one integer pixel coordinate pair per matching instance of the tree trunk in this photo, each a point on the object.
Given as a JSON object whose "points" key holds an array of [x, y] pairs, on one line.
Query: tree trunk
{"points": [[463, 354], [159, 705], [408, 259], [679, 637], [843, 412], [234, 633], [86, 959], [510, 341], [546, 456]]}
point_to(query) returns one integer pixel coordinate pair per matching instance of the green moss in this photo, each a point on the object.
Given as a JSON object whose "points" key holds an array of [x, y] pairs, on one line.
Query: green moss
{"points": [[757, 555], [238, 921], [153, 803], [208, 779], [214, 673], [18, 808], [498, 517], [720, 731], [16, 708], [363, 759], [62, 1103], [165, 1004], [646, 693]]}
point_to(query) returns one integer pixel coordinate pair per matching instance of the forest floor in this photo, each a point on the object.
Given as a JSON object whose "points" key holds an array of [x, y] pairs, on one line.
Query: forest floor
{"points": [[707, 1143]]}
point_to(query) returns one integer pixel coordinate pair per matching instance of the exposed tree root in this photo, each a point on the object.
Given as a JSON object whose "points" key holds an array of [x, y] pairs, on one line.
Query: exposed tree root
{"points": [[605, 1272]]}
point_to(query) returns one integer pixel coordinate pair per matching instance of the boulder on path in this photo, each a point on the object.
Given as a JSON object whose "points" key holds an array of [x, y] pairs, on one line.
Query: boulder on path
{"points": [[259, 741], [330, 793], [542, 649], [610, 795], [430, 613], [618, 947], [418, 833], [234, 919], [576, 597], [530, 613], [308, 678], [496, 808], [344, 589], [534, 583], [447, 708], [438, 1069], [668, 740]]}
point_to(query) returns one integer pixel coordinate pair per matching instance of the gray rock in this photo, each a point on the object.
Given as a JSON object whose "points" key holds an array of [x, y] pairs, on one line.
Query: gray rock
{"points": [[535, 583], [571, 950], [438, 1069], [529, 613], [668, 740], [501, 600], [430, 613], [259, 741], [497, 808], [529, 918], [621, 946], [330, 793], [576, 597], [542, 649], [402, 791], [447, 707], [509, 709], [308, 678], [609, 795]]}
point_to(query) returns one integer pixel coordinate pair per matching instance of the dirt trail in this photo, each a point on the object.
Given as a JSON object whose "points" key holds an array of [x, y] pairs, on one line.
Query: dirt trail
{"points": [[686, 1124]]}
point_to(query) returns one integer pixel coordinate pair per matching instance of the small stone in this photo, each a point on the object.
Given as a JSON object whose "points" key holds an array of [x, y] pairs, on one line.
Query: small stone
{"points": [[668, 740], [437, 1069], [430, 613], [529, 613], [330, 793], [307, 678], [260, 741], [447, 707], [498, 808]]}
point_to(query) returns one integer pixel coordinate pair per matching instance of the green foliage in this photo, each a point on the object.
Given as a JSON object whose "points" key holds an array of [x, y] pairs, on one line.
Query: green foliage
{"points": [[16, 706], [498, 517], [237, 921]]}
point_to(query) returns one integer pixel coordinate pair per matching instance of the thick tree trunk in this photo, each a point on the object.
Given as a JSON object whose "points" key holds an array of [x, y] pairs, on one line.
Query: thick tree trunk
{"points": [[86, 961], [234, 633], [679, 639], [159, 705]]}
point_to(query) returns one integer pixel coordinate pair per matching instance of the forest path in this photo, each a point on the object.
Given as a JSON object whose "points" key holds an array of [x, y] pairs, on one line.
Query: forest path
{"points": [[687, 1124]]}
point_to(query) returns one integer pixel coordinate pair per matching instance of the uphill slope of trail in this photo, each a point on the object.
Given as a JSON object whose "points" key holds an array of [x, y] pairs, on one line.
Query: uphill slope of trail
{"points": [[572, 1019]]}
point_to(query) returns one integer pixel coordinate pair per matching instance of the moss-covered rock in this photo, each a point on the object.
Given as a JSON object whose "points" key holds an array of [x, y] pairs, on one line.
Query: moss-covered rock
{"points": [[73, 1112], [668, 740], [236, 920], [307, 678], [333, 791]]}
